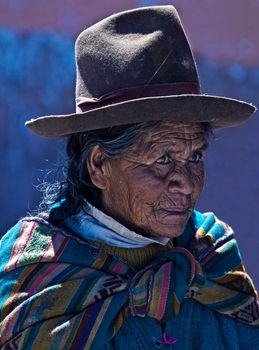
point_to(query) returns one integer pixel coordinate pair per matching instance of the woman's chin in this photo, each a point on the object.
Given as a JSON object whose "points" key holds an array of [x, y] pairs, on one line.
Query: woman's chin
{"points": [[169, 230], [170, 225]]}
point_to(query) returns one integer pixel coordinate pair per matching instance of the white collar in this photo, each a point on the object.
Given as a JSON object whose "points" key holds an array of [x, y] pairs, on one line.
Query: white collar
{"points": [[121, 230], [93, 224]]}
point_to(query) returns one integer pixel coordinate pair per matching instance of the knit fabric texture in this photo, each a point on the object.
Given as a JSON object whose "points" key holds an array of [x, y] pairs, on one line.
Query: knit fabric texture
{"points": [[60, 292], [135, 257]]}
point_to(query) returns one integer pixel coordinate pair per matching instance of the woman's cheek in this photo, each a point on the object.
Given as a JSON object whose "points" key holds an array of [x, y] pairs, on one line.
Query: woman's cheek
{"points": [[198, 175]]}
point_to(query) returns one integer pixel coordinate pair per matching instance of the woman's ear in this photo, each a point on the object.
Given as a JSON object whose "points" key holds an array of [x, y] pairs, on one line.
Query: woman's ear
{"points": [[97, 166]]}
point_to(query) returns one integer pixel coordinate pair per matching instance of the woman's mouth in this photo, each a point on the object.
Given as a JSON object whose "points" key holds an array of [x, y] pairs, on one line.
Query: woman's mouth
{"points": [[176, 211]]}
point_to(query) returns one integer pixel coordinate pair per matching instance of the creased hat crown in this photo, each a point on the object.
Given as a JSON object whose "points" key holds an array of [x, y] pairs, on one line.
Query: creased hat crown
{"points": [[134, 48]]}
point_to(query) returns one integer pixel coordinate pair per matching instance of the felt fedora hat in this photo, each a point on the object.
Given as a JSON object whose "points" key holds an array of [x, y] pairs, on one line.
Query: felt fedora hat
{"points": [[137, 66]]}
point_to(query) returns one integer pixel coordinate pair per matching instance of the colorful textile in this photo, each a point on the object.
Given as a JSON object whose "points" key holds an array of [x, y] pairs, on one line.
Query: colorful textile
{"points": [[59, 292]]}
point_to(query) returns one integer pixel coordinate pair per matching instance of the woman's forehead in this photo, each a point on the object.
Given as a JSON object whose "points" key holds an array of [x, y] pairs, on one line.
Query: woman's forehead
{"points": [[173, 137], [174, 131]]}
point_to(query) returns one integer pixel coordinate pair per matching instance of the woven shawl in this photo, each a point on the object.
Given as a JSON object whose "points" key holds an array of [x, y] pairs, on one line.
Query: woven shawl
{"points": [[63, 293]]}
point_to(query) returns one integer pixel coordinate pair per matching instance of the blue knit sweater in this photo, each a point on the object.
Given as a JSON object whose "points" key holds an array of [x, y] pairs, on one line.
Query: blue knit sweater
{"points": [[195, 328]]}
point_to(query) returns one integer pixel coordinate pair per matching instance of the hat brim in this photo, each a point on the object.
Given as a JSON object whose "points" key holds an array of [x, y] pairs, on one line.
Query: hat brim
{"points": [[221, 112]]}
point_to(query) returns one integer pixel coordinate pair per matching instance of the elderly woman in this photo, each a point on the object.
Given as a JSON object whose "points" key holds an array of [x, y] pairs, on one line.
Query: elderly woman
{"points": [[121, 259]]}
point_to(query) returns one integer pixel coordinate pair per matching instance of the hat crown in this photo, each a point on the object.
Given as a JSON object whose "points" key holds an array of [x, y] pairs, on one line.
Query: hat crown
{"points": [[139, 47], [138, 66]]}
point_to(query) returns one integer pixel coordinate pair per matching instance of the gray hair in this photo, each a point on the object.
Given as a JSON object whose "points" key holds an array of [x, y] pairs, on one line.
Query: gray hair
{"points": [[71, 195]]}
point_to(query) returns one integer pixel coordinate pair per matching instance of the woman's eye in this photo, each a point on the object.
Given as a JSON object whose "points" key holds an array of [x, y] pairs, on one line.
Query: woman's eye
{"points": [[195, 158], [163, 160]]}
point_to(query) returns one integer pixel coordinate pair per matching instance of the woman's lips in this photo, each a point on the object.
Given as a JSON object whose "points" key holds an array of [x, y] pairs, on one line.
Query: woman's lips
{"points": [[176, 211]]}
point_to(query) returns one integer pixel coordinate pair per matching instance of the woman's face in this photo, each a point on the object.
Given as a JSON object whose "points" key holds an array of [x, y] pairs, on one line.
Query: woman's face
{"points": [[152, 189]]}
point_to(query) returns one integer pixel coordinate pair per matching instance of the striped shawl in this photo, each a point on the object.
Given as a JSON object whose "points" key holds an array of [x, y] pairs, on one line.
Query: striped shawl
{"points": [[59, 292]]}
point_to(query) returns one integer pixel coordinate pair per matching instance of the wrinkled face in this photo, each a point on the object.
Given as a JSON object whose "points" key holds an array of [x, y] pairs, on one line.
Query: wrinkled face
{"points": [[152, 189]]}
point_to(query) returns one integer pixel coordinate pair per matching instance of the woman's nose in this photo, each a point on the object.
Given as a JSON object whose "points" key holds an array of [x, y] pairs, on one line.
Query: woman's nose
{"points": [[180, 180]]}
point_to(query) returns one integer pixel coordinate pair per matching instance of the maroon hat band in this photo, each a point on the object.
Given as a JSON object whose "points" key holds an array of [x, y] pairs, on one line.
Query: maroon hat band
{"points": [[85, 104]]}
